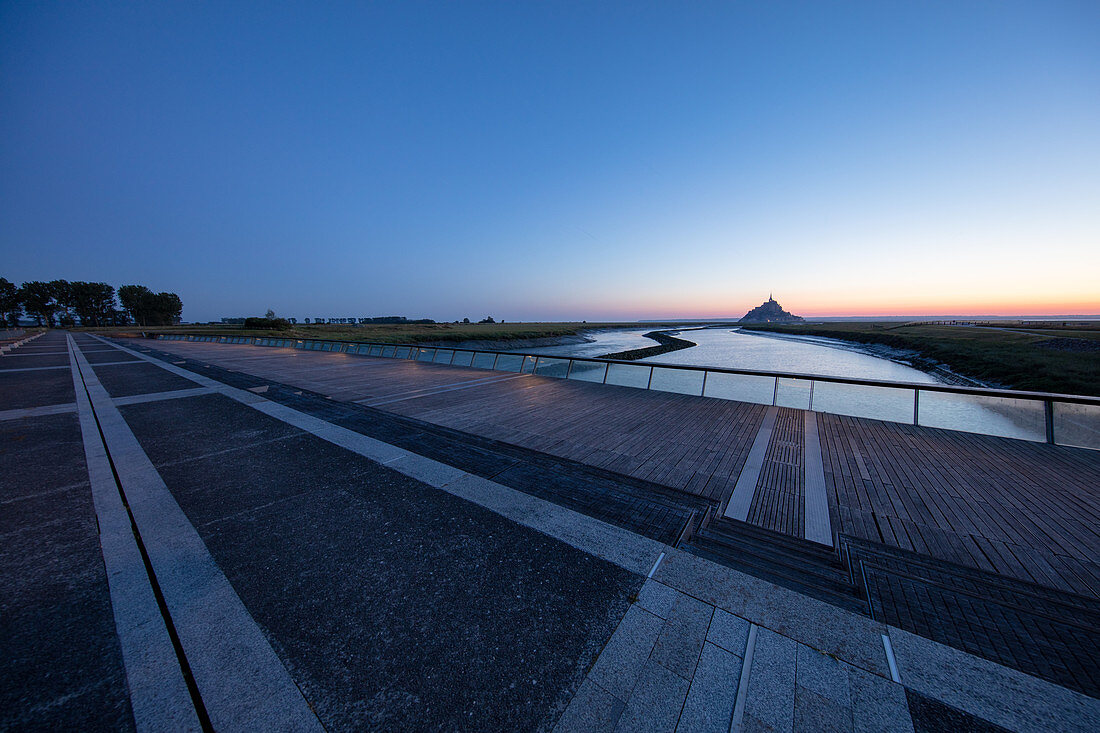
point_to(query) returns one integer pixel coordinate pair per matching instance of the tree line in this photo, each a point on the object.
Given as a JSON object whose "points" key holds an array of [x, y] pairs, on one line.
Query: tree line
{"points": [[64, 303]]}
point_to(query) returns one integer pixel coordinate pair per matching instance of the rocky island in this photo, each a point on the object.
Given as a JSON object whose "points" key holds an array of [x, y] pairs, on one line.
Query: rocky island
{"points": [[770, 312]]}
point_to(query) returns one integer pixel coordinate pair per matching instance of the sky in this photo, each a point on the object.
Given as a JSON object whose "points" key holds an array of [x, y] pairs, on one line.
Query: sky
{"points": [[557, 160]]}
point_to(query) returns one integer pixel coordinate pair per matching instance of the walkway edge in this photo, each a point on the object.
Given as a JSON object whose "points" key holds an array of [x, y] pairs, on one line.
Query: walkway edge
{"points": [[815, 500], [158, 693], [243, 683], [745, 489]]}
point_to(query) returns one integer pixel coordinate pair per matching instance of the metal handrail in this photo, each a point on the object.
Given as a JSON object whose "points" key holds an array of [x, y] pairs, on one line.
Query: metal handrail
{"points": [[1047, 398]]}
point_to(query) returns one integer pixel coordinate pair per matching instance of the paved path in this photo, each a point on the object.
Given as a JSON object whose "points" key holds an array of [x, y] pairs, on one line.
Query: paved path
{"points": [[277, 569], [1025, 510]]}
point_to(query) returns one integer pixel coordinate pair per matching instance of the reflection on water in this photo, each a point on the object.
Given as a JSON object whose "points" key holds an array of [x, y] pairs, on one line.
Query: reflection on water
{"points": [[739, 350], [725, 347], [602, 342]]}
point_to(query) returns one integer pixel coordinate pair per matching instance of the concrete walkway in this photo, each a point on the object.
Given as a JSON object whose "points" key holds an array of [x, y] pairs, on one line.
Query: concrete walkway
{"points": [[291, 572]]}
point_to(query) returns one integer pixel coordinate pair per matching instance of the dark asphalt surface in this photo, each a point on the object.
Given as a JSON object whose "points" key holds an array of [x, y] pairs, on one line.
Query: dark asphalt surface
{"points": [[60, 663], [35, 389], [125, 380], [393, 604]]}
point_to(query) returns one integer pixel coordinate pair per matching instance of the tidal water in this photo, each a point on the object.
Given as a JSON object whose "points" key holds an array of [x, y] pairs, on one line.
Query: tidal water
{"points": [[726, 347]]}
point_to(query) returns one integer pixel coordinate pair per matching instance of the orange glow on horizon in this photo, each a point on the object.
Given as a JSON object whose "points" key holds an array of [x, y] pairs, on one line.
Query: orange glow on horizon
{"points": [[853, 309]]}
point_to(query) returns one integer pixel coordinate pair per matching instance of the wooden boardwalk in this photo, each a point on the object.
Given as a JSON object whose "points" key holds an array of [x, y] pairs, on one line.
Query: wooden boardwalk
{"points": [[1030, 511]]}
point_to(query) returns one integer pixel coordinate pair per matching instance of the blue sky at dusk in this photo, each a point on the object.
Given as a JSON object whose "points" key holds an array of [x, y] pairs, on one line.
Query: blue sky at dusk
{"points": [[557, 161]]}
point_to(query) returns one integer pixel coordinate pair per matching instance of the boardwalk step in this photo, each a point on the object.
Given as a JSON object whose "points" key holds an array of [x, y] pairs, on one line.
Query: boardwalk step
{"points": [[830, 569], [1045, 633], [838, 594], [789, 544], [979, 583]]}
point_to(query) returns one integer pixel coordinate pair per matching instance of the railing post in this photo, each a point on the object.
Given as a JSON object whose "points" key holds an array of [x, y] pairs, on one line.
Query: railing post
{"points": [[916, 406], [569, 369], [454, 353], [606, 369], [1048, 409], [775, 392], [650, 382], [703, 389], [495, 358], [535, 366], [811, 405]]}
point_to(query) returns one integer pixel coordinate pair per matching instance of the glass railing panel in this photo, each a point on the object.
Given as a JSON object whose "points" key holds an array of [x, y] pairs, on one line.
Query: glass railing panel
{"points": [[528, 365], [1077, 425], [681, 381], [463, 358], [741, 387], [483, 360], [587, 371], [424, 354], [443, 356], [628, 375], [862, 400], [387, 352], [1003, 416], [509, 363], [549, 367], [400, 352], [793, 393]]}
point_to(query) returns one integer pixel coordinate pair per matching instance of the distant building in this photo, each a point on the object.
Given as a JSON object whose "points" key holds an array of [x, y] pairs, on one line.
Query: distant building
{"points": [[770, 312]]}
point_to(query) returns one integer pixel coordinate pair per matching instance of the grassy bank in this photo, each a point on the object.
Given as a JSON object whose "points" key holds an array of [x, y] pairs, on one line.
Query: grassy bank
{"points": [[665, 344], [397, 333], [1026, 357]]}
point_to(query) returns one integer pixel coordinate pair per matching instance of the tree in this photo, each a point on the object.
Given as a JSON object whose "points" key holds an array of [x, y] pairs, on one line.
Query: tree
{"points": [[133, 298], [39, 302], [63, 294], [164, 309], [270, 314], [11, 306], [94, 303], [147, 308]]}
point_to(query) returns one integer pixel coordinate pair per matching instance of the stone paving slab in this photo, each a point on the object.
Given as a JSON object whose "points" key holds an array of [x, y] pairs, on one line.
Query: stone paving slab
{"points": [[713, 692], [60, 663], [655, 702], [123, 380], [30, 361], [36, 388]]}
